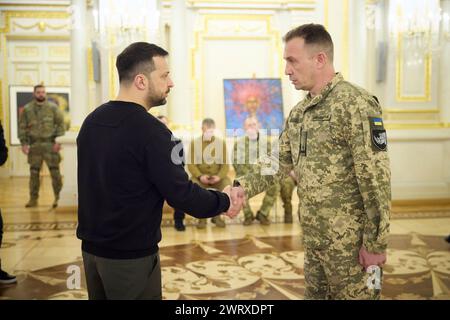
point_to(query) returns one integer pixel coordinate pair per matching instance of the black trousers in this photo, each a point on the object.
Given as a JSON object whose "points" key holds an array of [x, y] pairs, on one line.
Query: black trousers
{"points": [[1, 228], [1, 235], [178, 215]]}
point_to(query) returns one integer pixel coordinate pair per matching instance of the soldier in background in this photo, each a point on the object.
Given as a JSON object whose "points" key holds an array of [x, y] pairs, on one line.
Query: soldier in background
{"points": [[335, 142], [40, 123], [5, 278], [178, 215], [208, 164], [245, 152]]}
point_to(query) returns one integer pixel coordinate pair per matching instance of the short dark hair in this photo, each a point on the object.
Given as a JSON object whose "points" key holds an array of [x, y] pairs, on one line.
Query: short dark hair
{"points": [[208, 122], [137, 58], [40, 85], [313, 34]]}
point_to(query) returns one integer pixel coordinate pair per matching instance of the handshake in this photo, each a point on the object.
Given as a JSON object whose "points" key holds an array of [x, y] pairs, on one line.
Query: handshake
{"points": [[237, 200]]}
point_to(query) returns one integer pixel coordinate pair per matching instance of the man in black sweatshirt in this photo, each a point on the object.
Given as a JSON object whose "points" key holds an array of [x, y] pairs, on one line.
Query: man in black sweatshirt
{"points": [[5, 278], [126, 169]]}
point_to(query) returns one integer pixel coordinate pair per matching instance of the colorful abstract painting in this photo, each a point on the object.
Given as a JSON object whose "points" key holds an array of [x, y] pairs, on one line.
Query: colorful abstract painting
{"points": [[260, 98]]}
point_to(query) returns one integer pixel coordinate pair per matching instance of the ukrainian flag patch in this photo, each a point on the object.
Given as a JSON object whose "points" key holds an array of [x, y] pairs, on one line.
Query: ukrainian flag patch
{"points": [[377, 122]]}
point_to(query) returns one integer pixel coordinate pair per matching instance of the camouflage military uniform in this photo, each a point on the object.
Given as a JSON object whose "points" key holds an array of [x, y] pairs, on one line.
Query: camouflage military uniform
{"points": [[336, 144], [243, 156], [287, 186], [209, 158], [39, 125]]}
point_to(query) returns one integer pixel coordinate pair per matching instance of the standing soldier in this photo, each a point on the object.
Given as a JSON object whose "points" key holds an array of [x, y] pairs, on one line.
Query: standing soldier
{"points": [[208, 164], [335, 142], [245, 153], [39, 124]]}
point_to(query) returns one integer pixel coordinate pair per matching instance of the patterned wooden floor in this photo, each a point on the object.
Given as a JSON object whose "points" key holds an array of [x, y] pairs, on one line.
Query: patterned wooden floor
{"points": [[237, 262]]}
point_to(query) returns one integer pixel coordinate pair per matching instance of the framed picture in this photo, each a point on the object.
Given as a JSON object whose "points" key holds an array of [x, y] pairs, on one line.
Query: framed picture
{"points": [[19, 96], [260, 98]]}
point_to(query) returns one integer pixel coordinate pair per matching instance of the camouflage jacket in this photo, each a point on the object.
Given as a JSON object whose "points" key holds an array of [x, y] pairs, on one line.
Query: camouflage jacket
{"points": [[336, 144], [40, 122]]}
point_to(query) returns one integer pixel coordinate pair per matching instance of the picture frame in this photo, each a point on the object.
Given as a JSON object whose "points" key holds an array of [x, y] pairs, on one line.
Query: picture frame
{"points": [[19, 96], [260, 98]]}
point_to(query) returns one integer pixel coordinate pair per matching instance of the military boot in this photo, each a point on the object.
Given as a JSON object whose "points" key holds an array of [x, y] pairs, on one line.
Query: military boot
{"points": [[201, 224], [218, 221], [248, 216], [263, 219], [6, 278], [248, 221], [288, 218], [287, 213], [55, 203], [179, 225], [32, 203]]}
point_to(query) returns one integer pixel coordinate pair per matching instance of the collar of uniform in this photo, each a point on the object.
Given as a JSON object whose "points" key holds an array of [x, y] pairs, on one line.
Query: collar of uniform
{"points": [[325, 91]]}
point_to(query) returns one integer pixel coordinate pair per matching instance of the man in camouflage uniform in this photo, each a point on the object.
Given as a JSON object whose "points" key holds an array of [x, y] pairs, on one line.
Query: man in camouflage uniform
{"points": [[335, 142], [287, 187], [39, 124], [208, 164], [245, 155]]}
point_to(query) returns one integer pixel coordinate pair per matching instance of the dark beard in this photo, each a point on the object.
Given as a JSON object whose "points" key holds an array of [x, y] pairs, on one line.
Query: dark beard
{"points": [[158, 102], [40, 99]]}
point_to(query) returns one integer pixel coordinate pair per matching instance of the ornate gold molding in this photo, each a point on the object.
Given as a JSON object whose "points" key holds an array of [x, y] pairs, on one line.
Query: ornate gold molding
{"points": [[200, 35], [4, 36], [412, 126], [345, 40], [90, 65], [399, 76], [277, 2], [394, 110], [42, 26], [32, 14]]}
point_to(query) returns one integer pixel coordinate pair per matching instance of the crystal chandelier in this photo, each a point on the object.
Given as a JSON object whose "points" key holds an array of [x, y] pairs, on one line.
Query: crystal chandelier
{"points": [[415, 25]]}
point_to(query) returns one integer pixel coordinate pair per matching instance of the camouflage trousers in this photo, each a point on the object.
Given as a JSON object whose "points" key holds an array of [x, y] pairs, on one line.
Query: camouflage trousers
{"points": [[334, 274], [269, 200], [40, 152], [287, 187]]}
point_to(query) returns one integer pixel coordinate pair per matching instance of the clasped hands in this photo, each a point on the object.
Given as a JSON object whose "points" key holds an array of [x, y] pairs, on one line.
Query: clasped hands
{"points": [[209, 180], [55, 148], [237, 200]]}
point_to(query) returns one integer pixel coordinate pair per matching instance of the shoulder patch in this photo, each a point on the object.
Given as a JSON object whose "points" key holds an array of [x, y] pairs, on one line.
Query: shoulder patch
{"points": [[378, 134]]}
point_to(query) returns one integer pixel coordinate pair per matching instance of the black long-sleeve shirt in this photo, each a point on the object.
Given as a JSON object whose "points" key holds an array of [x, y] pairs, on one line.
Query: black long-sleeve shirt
{"points": [[125, 171], [3, 149]]}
